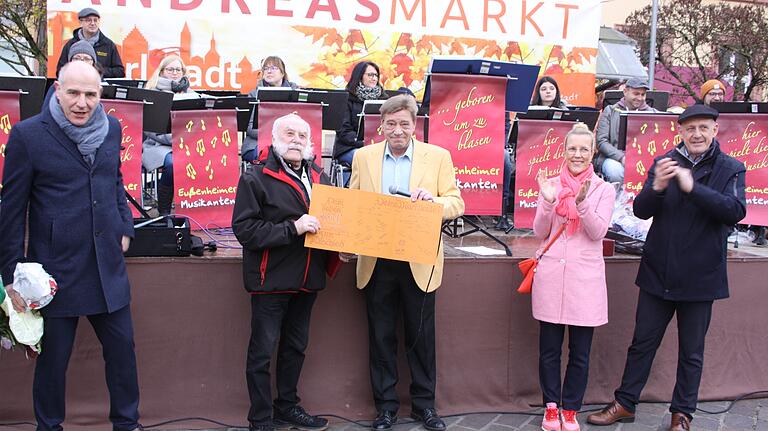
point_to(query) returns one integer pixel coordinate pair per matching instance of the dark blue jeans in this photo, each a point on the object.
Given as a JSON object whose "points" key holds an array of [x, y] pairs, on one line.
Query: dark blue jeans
{"points": [[570, 393], [167, 178]]}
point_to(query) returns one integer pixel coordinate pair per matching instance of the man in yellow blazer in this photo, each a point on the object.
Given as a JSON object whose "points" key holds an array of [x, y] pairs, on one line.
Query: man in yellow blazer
{"points": [[425, 171]]}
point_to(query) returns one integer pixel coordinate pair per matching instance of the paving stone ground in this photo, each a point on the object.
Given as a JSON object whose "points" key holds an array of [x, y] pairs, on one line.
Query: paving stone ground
{"points": [[745, 415]]}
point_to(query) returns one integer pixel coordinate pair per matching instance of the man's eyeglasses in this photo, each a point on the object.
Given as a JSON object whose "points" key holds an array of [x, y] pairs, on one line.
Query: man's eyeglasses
{"points": [[90, 20], [83, 57], [174, 70]]}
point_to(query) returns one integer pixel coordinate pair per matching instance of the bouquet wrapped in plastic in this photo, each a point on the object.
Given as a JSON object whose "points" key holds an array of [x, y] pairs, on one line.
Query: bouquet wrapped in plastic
{"points": [[37, 289]]}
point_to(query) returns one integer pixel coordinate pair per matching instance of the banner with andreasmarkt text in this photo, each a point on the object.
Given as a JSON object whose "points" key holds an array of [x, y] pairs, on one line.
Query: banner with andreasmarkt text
{"points": [[206, 166], [224, 41], [10, 114], [131, 117], [466, 117]]}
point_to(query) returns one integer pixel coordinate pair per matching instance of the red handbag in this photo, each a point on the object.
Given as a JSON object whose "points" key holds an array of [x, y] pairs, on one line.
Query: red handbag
{"points": [[528, 266]]}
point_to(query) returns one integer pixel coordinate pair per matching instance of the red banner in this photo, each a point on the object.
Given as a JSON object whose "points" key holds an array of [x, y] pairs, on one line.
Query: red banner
{"points": [[540, 147], [648, 136], [10, 114], [742, 136], [205, 165], [467, 118], [312, 113], [131, 117], [372, 129]]}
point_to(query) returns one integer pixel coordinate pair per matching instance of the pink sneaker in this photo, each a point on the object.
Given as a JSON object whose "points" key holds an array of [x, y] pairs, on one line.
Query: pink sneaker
{"points": [[551, 420], [568, 418]]}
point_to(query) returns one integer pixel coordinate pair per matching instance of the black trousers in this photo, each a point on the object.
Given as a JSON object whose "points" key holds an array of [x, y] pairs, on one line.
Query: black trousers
{"points": [[653, 316], [115, 332], [284, 317], [570, 394], [391, 287]]}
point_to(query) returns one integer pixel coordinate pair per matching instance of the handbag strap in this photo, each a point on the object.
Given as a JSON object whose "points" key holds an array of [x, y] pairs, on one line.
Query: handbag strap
{"points": [[554, 238]]}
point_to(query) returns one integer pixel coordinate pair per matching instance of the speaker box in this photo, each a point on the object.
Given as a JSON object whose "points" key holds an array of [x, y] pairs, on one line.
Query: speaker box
{"points": [[169, 236]]}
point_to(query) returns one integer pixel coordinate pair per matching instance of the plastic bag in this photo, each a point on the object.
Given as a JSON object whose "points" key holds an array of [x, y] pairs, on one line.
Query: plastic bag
{"points": [[35, 286], [624, 221]]}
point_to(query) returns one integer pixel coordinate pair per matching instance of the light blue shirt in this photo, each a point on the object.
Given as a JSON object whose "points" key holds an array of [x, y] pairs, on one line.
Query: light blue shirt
{"points": [[396, 170]]}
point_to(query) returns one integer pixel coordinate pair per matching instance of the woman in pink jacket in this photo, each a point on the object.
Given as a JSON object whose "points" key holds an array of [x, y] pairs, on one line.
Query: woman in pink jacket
{"points": [[569, 285]]}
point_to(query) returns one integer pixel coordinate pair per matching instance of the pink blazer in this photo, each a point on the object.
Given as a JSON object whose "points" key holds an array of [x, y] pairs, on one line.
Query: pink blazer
{"points": [[569, 285]]}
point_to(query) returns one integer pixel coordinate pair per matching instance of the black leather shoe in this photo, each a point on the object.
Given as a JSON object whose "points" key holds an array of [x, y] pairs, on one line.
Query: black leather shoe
{"points": [[297, 418], [429, 418], [384, 421]]}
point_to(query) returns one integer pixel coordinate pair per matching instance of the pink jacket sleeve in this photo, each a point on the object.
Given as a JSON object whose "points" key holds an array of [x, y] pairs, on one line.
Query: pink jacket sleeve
{"points": [[542, 222], [595, 211]]}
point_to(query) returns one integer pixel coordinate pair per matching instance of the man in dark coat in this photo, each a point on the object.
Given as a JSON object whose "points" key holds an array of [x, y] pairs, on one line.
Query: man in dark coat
{"points": [[79, 226], [283, 277], [106, 51], [695, 194]]}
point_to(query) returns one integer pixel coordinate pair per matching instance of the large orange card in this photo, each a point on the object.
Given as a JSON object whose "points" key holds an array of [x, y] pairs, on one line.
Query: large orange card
{"points": [[374, 224]]}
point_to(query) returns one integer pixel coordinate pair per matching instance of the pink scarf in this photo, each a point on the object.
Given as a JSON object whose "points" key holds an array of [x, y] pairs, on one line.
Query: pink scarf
{"points": [[566, 205]]}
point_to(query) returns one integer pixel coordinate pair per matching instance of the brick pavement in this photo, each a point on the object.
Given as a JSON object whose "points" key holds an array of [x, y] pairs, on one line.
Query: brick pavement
{"points": [[745, 415]]}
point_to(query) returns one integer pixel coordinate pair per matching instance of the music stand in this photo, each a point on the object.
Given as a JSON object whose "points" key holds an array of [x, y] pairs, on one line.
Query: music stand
{"points": [[31, 93], [654, 99], [741, 107], [122, 82], [157, 104], [241, 106], [554, 114], [220, 93], [333, 102], [623, 124], [373, 107], [521, 78]]}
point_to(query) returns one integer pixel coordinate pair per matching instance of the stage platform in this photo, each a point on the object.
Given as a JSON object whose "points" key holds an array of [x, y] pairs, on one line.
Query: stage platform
{"points": [[191, 318]]}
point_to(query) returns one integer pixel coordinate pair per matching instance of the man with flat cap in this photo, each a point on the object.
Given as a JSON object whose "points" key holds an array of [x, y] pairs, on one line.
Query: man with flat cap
{"points": [[610, 159], [106, 51], [695, 194]]}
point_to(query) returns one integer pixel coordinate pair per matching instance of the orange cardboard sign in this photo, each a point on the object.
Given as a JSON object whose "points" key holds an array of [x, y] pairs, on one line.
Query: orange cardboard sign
{"points": [[374, 224]]}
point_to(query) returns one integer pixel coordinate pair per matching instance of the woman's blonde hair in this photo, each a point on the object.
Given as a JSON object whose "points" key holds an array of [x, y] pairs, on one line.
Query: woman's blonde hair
{"points": [[581, 129], [152, 82]]}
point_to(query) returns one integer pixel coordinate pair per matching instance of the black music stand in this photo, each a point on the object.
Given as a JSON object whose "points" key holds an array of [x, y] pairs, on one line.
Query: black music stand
{"points": [[333, 102], [554, 114], [122, 82], [31, 93], [654, 99], [157, 104], [741, 107], [521, 78], [373, 107], [241, 106]]}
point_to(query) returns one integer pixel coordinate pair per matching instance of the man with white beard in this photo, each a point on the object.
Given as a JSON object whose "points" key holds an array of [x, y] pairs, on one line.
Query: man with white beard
{"points": [[281, 275]]}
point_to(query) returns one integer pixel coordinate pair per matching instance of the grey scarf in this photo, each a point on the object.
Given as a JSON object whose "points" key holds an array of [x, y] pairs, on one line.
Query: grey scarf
{"points": [[368, 93], [89, 136], [180, 86], [91, 40]]}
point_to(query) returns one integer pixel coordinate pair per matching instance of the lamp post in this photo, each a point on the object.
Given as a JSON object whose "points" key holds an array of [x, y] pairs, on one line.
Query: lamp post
{"points": [[652, 50]]}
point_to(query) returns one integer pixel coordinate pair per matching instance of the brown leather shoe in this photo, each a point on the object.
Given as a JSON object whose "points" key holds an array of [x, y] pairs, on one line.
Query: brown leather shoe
{"points": [[680, 422], [611, 413]]}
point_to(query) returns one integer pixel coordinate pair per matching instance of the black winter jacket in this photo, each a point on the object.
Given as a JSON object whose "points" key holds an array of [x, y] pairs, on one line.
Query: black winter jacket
{"points": [[267, 203], [346, 136], [106, 53], [684, 258]]}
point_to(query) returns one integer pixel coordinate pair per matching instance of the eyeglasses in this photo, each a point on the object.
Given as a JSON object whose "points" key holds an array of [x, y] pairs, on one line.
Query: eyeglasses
{"points": [[573, 151], [173, 70], [270, 69], [90, 20], [372, 75], [83, 57]]}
